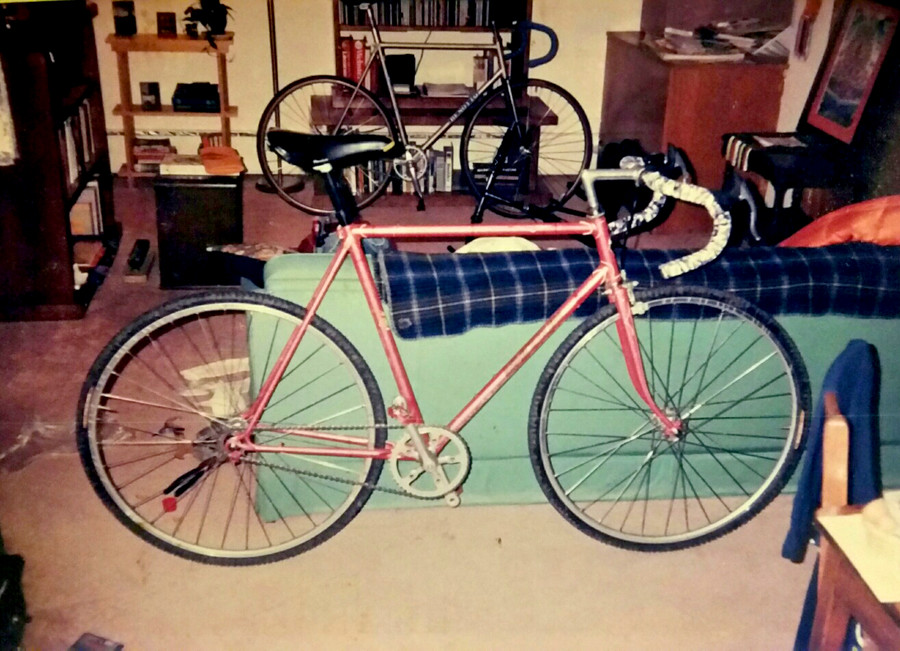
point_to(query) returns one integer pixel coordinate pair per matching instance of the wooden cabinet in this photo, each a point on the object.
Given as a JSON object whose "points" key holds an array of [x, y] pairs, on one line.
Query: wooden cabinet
{"points": [[123, 46], [687, 104], [49, 63]]}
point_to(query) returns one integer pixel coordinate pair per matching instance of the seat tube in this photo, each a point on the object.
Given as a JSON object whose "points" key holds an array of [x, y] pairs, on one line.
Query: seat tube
{"points": [[410, 411], [378, 51]]}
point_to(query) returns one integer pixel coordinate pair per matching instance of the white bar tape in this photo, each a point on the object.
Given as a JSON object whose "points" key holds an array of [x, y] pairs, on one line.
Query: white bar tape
{"points": [[701, 197]]}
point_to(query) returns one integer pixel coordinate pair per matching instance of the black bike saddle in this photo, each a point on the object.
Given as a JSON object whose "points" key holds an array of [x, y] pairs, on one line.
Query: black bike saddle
{"points": [[312, 153]]}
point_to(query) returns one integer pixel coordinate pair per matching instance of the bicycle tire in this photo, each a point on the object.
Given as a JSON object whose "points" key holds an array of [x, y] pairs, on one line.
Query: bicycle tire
{"points": [[300, 107], [638, 490], [165, 394], [564, 149]]}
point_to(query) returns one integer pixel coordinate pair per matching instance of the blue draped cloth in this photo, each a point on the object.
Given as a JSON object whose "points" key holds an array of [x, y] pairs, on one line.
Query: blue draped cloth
{"points": [[442, 294]]}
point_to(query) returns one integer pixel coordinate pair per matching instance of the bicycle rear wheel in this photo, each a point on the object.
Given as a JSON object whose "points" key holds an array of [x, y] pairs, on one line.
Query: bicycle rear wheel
{"points": [[543, 168], [165, 395], [723, 368], [330, 105]]}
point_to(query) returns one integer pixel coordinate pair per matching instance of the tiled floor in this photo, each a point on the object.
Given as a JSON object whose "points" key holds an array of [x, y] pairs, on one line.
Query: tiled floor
{"points": [[476, 577]]}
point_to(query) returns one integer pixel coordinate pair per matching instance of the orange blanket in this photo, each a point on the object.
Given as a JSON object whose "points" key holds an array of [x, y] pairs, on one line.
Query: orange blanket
{"points": [[876, 221]]}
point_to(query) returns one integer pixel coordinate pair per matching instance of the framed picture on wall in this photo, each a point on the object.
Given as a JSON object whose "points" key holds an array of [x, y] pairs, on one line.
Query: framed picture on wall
{"points": [[853, 65]]}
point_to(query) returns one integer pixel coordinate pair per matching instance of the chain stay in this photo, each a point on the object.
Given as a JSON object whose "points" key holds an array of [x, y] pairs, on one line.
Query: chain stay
{"points": [[340, 480]]}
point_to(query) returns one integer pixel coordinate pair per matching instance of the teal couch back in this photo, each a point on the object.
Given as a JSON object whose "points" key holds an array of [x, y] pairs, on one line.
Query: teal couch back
{"points": [[447, 371]]}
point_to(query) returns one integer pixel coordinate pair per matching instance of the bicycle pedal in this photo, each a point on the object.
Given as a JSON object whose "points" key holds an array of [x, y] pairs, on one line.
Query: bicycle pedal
{"points": [[452, 499]]}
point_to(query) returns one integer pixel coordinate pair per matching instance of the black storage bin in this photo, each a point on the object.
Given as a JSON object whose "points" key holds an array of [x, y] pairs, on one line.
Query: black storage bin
{"points": [[192, 213]]}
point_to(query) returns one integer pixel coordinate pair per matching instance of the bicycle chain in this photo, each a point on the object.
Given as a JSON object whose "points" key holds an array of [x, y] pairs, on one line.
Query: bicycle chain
{"points": [[341, 480]]}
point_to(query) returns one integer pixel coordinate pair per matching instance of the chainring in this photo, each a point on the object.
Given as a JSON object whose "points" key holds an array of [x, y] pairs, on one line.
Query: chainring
{"points": [[452, 456], [414, 163]]}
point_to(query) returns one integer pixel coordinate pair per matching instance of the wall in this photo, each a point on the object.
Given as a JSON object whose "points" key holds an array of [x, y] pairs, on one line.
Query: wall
{"points": [[802, 72], [305, 47]]}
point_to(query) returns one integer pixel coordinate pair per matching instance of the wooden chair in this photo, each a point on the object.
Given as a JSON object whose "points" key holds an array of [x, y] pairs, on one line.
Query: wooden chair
{"points": [[842, 593]]}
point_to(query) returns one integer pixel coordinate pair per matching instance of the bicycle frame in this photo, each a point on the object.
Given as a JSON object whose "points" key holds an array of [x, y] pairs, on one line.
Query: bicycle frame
{"points": [[379, 49], [406, 409]]}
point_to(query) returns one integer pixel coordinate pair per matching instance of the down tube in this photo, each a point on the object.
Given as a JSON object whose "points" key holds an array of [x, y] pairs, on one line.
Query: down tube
{"points": [[588, 287]]}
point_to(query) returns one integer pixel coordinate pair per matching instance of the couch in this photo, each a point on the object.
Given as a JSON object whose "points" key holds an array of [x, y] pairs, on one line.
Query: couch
{"points": [[823, 297]]}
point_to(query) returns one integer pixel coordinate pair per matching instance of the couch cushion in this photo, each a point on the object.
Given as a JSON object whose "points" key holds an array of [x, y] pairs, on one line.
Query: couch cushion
{"points": [[442, 294]]}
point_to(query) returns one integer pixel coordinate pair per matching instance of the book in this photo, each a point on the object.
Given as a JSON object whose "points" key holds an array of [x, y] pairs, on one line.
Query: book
{"points": [[84, 121], [446, 90], [347, 69], [72, 165], [87, 254], [89, 125], [448, 168], [84, 216], [182, 165], [440, 178], [779, 141], [81, 219], [678, 47], [360, 54]]}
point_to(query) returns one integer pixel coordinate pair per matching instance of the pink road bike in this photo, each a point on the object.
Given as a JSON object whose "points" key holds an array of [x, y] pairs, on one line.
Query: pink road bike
{"points": [[237, 428]]}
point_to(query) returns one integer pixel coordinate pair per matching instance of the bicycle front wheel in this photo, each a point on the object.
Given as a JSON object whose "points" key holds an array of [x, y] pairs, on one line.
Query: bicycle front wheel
{"points": [[724, 369], [542, 166], [164, 397], [329, 105]]}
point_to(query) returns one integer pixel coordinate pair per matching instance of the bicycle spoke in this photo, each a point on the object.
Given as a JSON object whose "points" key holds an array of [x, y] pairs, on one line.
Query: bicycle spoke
{"points": [[721, 370], [169, 467]]}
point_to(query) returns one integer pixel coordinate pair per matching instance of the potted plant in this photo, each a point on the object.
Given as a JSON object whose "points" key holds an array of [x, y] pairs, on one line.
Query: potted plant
{"points": [[212, 14]]}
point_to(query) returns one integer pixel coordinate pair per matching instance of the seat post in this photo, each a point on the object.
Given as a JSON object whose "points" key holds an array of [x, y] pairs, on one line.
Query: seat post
{"points": [[345, 208]]}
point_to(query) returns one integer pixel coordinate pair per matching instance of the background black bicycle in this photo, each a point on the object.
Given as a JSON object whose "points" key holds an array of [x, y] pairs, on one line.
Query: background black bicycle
{"points": [[534, 133]]}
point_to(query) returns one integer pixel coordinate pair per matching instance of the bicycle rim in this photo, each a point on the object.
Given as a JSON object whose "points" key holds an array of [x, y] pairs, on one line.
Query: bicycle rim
{"points": [[166, 394], [323, 105], [724, 369], [543, 168]]}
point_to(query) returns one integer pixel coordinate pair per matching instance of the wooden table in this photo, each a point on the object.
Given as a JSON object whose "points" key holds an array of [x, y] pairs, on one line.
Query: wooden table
{"points": [[419, 111], [842, 594]]}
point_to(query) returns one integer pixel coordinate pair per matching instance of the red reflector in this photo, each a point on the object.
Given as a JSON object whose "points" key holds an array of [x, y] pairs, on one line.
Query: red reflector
{"points": [[169, 504]]}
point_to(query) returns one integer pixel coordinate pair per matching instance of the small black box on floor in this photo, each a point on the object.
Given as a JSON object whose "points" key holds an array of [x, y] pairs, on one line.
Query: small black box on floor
{"points": [[192, 213]]}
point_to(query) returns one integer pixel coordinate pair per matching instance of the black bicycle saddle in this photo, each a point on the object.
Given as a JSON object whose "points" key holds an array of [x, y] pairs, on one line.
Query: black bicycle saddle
{"points": [[311, 152]]}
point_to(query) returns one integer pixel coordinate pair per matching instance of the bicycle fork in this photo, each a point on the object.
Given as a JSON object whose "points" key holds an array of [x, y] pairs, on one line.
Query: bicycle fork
{"points": [[621, 296]]}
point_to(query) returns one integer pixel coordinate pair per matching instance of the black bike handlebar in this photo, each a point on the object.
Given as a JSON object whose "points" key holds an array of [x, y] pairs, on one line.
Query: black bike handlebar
{"points": [[522, 28]]}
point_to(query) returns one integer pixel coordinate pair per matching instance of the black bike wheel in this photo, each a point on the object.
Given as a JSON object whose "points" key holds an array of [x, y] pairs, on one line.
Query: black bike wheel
{"points": [[542, 170], [165, 395], [327, 105], [723, 368]]}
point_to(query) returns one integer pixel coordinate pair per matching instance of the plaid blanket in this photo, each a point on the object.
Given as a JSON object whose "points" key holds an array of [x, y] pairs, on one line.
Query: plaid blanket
{"points": [[443, 294]]}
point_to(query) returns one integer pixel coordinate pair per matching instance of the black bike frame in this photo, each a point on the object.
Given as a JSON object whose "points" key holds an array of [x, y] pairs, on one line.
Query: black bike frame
{"points": [[380, 47]]}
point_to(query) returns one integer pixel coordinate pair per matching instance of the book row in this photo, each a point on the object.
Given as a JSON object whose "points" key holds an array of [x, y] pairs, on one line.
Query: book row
{"points": [[438, 177], [438, 13], [77, 144], [354, 55]]}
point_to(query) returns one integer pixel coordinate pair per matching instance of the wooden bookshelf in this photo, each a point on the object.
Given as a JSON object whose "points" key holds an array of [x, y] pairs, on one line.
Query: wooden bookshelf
{"points": [[50, 60], [124, 46], [471, 16]]}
